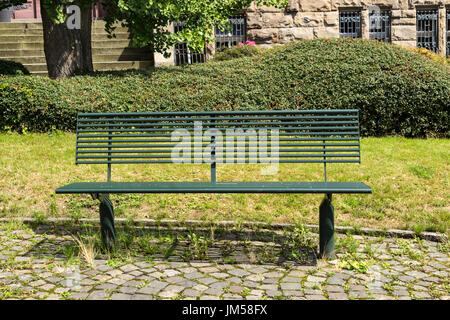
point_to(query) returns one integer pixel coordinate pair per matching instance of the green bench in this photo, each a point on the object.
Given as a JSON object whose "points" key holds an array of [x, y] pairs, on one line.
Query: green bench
{"points": [[269, 138]]}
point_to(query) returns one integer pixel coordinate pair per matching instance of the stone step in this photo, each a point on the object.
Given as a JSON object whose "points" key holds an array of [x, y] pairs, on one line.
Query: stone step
{"points": [[102, 30], [36, 24], [104, 36], [20, 31], [20, 25], [122, 65], [95, 58], [111, 43], [119, 51], [97, 44], [20, 38], [39, 32], [23, 42], [98, 66], [120, 58], [21, 46], [36, 67], [21, 53], [39, 38], [27, 60], [39, 73]]}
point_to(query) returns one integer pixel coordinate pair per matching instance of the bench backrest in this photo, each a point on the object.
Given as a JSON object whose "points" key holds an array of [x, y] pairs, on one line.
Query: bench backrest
{"points": [[295, 136]]}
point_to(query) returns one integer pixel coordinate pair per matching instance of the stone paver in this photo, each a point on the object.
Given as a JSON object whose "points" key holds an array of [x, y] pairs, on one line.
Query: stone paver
{"points": [[395, 271]]}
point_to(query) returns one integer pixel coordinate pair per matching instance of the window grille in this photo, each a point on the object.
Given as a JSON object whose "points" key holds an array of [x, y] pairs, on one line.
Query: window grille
{"points": [[227, 39], [427, 29], [380, 25], [350, 24], [184, 54]]}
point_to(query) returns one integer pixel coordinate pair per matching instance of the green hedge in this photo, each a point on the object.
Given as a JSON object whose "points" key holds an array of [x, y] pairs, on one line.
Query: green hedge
{"points": [[397, 91], [239, 51], [12, 68]]}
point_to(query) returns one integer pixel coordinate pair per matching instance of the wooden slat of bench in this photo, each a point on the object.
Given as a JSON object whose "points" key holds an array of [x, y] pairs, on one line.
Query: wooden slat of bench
{"points": [[215, 113], [300, 127], [219, 187]]}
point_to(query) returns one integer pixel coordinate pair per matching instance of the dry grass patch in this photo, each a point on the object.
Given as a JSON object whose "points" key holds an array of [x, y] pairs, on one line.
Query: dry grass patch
{"points": [[409, 177]]}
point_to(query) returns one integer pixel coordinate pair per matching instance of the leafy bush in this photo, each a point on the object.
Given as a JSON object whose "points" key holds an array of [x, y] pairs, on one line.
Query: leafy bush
{"points": [[236, 52], [397, 91], [431, 55], [12, 68]]}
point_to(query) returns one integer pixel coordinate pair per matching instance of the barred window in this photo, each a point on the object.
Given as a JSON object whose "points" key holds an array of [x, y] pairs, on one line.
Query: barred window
{"points": [[350, 24], [184, 54], [427, 29], [380, 25], [227, 39]]}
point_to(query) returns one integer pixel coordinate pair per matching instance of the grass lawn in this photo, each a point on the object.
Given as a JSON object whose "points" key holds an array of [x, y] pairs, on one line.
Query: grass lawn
{"points": [[409, 177]]}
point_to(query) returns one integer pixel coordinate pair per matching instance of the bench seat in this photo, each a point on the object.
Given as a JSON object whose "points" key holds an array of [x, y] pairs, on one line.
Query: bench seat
{"points": [[218, 187], [321, 137]]}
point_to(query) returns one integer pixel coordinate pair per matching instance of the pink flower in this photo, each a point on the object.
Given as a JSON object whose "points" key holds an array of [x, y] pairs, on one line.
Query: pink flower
{"points": [[250, 43], [241, 44]]}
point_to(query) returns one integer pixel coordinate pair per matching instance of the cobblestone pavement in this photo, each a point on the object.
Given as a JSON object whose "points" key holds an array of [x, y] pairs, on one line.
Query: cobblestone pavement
{"points": [[44, 264]]}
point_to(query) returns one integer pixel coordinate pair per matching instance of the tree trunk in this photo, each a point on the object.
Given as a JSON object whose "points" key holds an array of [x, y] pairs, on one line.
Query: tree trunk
{"points": [[67, 51]]}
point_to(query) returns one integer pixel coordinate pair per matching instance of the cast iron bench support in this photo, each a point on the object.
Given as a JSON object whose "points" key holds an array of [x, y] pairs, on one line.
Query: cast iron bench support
{"points": [[107, 228], [303, 136], [326, 228]]}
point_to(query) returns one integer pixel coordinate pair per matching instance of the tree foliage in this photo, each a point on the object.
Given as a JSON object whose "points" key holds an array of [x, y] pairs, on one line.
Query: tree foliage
{"points": [[149, 20]]}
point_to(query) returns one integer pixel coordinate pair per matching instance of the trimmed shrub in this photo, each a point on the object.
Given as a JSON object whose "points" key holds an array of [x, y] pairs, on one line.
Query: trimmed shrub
{"points": [[398, 92], [239, 51], [431, 55], [12, 68]]}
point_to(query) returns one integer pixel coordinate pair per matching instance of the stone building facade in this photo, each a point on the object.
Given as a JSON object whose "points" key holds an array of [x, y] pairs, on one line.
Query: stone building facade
{"points": [[410, 23], [308, 19]]}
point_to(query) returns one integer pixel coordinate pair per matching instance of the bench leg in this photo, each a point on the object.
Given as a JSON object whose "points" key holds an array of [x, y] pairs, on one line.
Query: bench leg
{"points": [[107, 221], [326, 228]]}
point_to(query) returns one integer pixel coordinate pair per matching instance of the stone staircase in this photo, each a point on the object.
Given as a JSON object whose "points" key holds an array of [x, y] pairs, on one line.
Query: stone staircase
{"points": [[23, 42]]}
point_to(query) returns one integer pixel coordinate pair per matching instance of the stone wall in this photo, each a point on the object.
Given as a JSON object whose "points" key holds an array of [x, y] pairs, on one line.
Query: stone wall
{"points": [[308, 19]]}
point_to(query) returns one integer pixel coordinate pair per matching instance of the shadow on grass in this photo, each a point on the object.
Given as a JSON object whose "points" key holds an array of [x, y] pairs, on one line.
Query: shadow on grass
{"points": [[212, 244]]}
